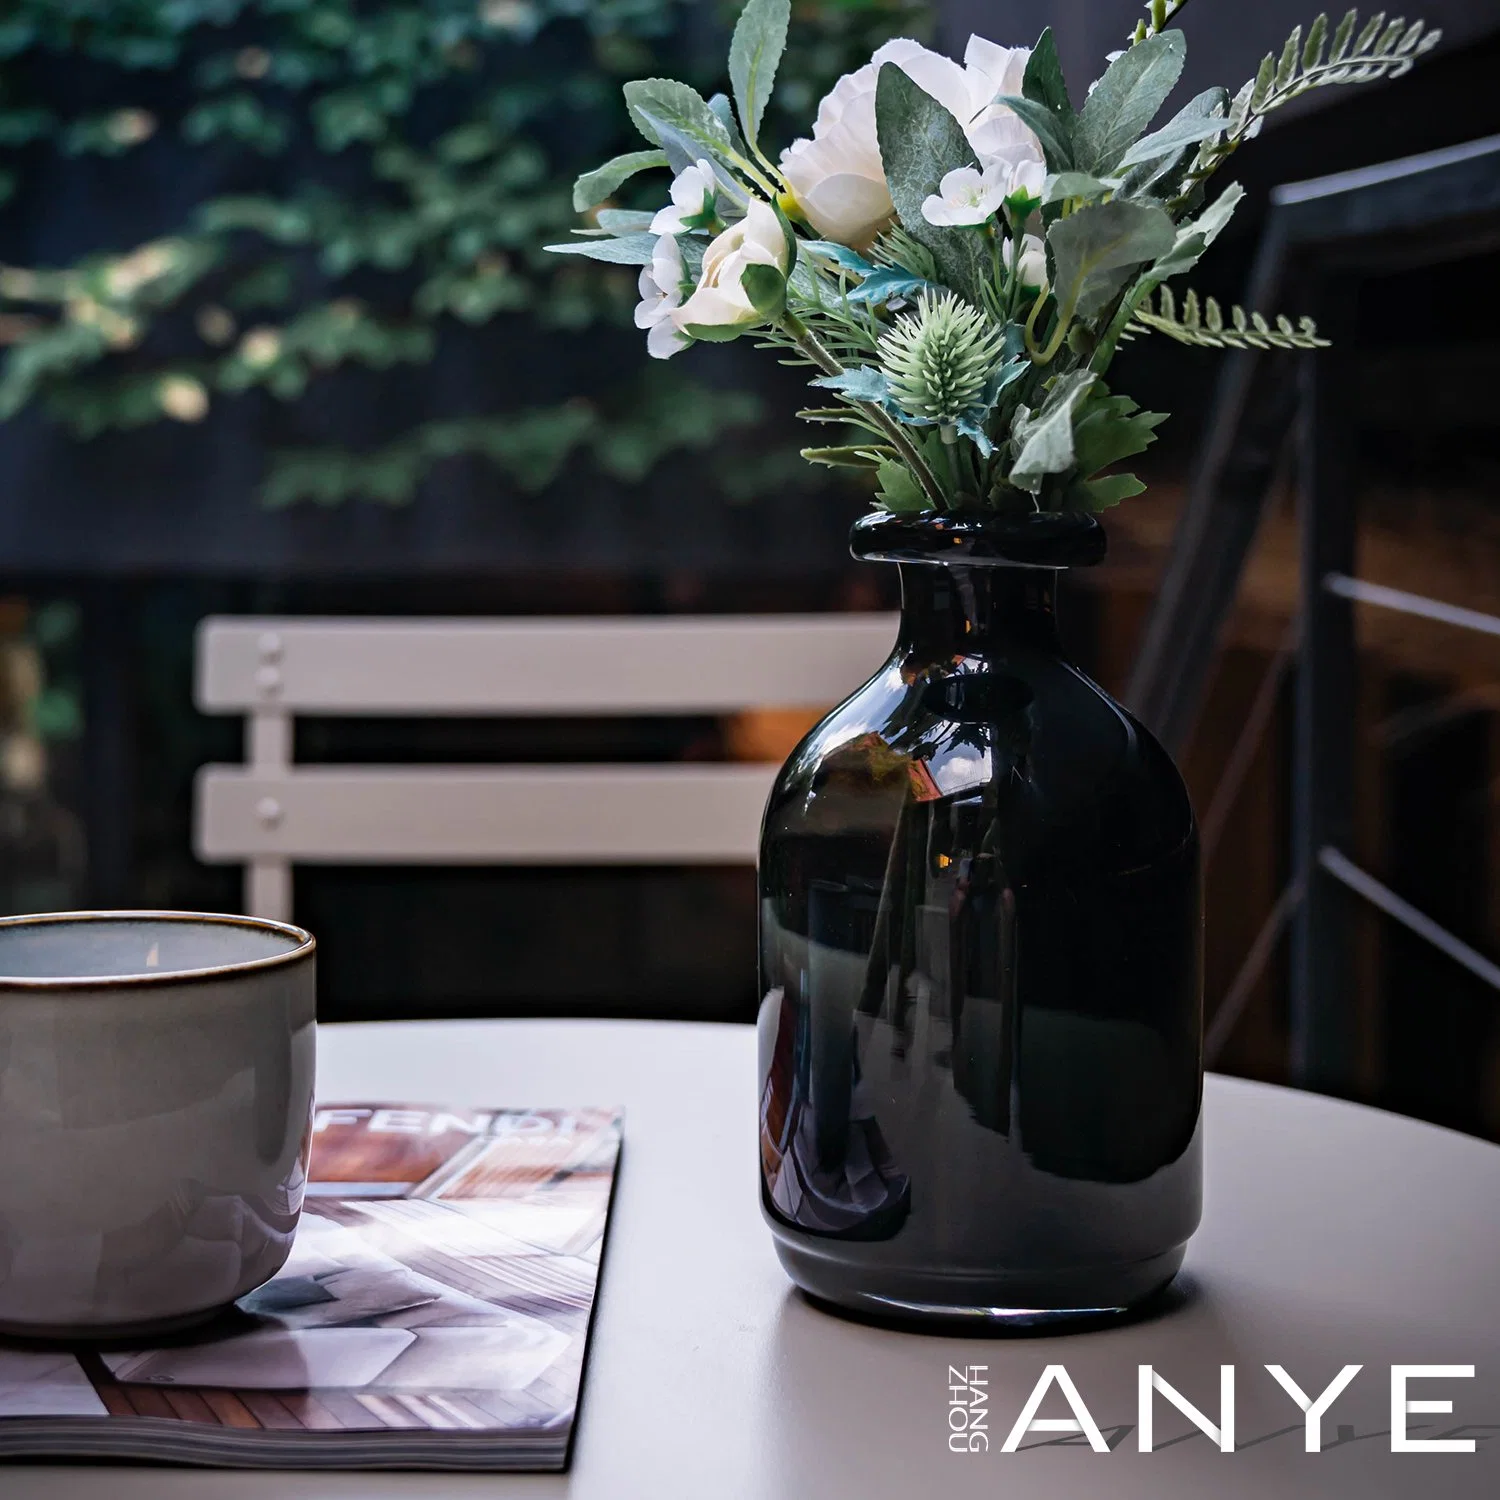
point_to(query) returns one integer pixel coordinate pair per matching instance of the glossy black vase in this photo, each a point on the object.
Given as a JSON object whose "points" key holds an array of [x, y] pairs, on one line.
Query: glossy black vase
{"points": [[981, 1031]]}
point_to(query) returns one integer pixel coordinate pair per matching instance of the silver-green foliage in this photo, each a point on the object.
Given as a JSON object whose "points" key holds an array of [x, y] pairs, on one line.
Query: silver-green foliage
{"points": [[1204, 325], [968, 376], [1348, 53]]}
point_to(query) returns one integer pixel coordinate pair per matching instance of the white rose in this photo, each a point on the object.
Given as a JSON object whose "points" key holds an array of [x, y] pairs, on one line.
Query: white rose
{"points": [[694, 194], [661, 293], [837, 176], [721, 300]]}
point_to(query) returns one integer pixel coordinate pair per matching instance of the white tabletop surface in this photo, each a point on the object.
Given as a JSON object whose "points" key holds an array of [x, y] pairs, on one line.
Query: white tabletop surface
{"points": [[1332, 1235]]}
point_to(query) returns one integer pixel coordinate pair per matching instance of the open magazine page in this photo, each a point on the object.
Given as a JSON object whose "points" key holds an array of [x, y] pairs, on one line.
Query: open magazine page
{"points": [[435, 1307]]}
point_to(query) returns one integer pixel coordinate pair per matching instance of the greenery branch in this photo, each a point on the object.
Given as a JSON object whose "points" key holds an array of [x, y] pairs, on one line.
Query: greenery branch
{"points": [[1205, 327], [880, 421], [966, 323], [1381, 49]]}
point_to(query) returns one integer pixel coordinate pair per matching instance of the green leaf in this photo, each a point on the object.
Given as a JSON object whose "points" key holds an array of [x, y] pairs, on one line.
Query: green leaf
{"points": [[1109, 490], [975, 434], [676, 118], [1126, 99], [1046, 435], [1164, 176], [594, 187], [1043, 81], [1055, 135], [920, 142], [716, 333], [723, 110], [789, 238], [1343, 36], [1291, 55], [1095, 250], [765, 286], [1110, 428], [840, 414], [754, 53], [1005, 375], [1195, 236], [862, 383], [848, 458], [899, 492], [624, 220], [814, 291], [1178, 132], [1371, 31], [842, 255], [888, 283], [1048, 110], [628, 250], [1317, 37], [1061, 185]]}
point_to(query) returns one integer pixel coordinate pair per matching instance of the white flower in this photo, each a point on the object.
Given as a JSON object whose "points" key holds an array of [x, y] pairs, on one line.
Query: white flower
{"points": [[837, 176], [693, 197], [1033, 260], [661, 292], [966, 195], [968, 93], [721, 300], [1029, 174]]}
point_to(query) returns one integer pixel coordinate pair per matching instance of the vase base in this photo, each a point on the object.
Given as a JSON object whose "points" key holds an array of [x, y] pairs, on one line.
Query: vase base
{"points": [[1019, 1302]]}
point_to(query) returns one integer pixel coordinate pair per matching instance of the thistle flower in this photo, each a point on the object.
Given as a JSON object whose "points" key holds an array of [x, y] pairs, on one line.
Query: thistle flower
{"points": [[937, 359]]}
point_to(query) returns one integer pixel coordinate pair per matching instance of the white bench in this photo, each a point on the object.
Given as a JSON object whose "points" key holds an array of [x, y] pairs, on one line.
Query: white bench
{"points": [[271, 814]]}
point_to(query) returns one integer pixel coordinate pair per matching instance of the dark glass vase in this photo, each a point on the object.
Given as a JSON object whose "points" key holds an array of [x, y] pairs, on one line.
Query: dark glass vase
{"points": [[981, 1031]]}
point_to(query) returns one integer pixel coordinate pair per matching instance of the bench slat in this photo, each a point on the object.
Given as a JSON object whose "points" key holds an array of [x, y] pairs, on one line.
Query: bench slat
{"points": [[607, 665], [654, 814]]}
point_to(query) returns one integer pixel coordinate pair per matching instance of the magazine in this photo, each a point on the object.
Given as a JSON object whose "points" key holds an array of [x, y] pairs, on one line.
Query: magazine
{"points": [[434, 1313]]}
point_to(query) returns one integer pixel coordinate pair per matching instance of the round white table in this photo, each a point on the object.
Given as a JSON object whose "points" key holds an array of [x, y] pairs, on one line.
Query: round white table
{"points": [[1332, 1235]]}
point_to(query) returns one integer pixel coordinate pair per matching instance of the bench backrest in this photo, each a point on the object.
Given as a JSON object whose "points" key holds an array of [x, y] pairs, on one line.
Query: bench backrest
{"points": [[271, 814]]}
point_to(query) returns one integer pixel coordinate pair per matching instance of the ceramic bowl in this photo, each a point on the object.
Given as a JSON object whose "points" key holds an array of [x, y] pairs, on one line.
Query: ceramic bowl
{"points": [[156, 1088]]}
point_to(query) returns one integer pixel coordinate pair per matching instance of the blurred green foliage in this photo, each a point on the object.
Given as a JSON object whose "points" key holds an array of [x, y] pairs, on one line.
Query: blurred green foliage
{"points": [[434, 144]]}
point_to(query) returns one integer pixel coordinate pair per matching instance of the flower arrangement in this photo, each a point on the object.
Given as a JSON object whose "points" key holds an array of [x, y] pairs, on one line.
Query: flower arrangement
{"points": [[958, 250]]}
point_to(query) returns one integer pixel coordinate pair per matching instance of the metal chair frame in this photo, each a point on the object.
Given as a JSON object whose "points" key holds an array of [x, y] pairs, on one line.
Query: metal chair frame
{"points": [[1404, 214]]}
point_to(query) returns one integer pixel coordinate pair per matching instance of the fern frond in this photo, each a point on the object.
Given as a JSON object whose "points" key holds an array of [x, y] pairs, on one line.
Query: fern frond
{"points": [[1158, 14], [1381, 50], [1203, 325]]}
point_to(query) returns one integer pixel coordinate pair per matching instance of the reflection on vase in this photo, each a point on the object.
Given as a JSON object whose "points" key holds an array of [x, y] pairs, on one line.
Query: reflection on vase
{"points": [[980, 947]]}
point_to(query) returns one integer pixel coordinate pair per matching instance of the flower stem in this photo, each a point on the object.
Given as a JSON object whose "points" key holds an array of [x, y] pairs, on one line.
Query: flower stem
{"points": [[1013, 284], [808, 342], [753, 173], [1169, 14], [1117, 322], [1064, 319]]}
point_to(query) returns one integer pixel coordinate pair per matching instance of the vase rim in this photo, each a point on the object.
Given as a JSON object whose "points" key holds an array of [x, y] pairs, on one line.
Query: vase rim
{"points": [[1043, 539]]}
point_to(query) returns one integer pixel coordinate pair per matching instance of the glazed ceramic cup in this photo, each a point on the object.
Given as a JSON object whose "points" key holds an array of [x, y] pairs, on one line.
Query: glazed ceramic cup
{"points": [[156, 1086]]}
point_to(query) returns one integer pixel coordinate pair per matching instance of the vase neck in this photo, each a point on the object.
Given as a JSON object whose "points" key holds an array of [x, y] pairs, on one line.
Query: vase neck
{"points": [[952, 610]]}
